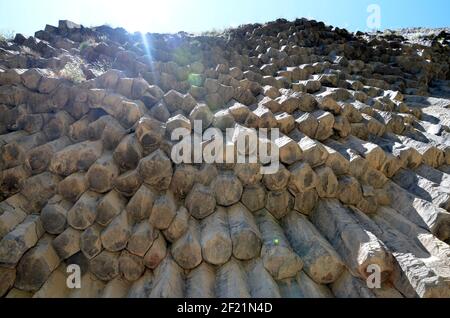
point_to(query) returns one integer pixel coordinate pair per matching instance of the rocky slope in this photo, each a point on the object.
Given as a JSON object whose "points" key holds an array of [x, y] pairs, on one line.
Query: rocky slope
{"points": [[87, 179], [424, 36]]}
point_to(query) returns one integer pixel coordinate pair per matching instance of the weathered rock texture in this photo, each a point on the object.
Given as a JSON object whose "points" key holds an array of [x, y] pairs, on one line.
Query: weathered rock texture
{"points": [[86, 116]]}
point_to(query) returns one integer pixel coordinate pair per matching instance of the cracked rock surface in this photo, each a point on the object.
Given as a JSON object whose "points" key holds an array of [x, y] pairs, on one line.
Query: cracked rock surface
{"points": [[87, 176]]}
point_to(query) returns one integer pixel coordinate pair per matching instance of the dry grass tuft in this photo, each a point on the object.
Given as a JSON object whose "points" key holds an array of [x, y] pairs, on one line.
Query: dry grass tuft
{"points": [[72, 71]]}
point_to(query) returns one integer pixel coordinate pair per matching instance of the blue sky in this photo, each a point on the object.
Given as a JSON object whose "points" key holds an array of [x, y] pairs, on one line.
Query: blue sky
{"points": [[28, 16]]}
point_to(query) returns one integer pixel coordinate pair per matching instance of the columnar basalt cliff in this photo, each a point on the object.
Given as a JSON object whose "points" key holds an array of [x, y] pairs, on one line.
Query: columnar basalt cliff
{"points": [[87, 176]]}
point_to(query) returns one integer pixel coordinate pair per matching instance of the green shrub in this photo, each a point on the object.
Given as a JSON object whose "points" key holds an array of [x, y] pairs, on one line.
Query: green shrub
{"points": [[213, 32], [84, 45], [72, 71], [7, 35]]}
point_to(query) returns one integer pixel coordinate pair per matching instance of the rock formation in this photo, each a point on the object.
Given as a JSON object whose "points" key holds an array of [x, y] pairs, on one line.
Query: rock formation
{"points": [[88, 178]]}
